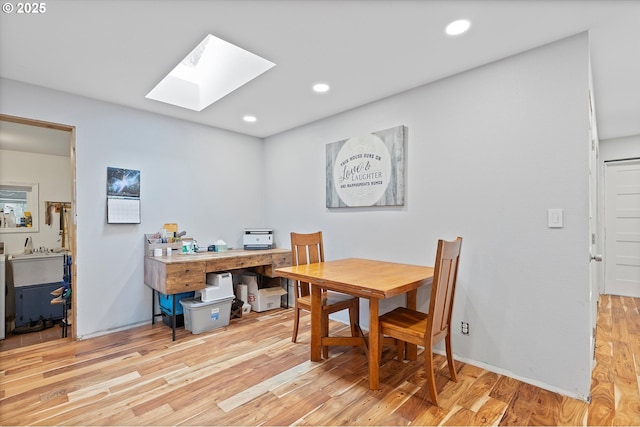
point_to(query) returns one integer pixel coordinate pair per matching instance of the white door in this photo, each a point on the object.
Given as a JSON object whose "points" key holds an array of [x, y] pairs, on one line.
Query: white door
{"points": [[622, 228]]}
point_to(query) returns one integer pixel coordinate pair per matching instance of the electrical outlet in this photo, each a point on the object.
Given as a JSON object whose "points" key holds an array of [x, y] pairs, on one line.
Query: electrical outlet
{"points": [[464, 328]]}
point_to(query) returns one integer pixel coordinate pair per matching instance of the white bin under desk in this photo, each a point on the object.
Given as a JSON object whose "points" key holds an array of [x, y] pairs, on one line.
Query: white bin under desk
{"points": [[202, 316]]}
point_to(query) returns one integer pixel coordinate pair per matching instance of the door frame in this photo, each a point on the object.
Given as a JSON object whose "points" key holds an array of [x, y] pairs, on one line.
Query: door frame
{"points": [[606, 165], [72, 225]]}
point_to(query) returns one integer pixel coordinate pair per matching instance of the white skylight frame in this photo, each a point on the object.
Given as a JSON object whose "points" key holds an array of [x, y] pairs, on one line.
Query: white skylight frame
{"points": [[209, 72]]}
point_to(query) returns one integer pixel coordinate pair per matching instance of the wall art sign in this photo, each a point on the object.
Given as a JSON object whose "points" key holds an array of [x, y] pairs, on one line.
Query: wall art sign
{"points": [[366, 170], [123, 196]]}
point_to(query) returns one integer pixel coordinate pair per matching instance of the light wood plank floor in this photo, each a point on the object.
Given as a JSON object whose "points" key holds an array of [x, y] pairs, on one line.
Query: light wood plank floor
{"points": [[250, 373], [23, 340]]}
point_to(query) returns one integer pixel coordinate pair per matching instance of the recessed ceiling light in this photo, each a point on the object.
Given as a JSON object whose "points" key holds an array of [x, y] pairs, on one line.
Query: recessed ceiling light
{"points": [[249, 119], [458, 27], [321, 87], [212, 70]]}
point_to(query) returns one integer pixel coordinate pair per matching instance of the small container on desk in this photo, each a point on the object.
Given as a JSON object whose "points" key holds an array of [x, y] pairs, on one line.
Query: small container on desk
{"points": [[151, 243]]}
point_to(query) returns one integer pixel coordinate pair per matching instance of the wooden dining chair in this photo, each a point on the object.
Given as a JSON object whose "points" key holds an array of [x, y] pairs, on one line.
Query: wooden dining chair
{"points": [[309, 249], [424, 329]]}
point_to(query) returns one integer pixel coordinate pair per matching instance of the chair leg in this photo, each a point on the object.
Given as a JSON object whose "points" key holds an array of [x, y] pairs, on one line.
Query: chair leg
{"points": [[450, 362], [296, 323], [431, 380], [354, 319], [325, 333], [400, 345]]}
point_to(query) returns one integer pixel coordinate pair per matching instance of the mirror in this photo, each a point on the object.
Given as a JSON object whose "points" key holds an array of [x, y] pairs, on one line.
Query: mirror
{"points": [[19, 198]]}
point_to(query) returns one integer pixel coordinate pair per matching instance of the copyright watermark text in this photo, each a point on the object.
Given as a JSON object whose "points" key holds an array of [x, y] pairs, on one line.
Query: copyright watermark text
{"points": [[25, 8]]}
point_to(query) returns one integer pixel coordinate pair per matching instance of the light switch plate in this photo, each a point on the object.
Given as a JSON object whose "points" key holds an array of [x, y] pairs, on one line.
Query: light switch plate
{"points": [[555, 218]]}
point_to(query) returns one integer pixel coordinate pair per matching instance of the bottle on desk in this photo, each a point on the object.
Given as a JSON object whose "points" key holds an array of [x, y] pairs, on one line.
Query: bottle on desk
{"points": [[11, 221]]}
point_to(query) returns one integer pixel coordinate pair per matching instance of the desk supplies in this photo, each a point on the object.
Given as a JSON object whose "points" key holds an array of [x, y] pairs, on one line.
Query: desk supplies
{"points": [[154, 240], [220, 246]]}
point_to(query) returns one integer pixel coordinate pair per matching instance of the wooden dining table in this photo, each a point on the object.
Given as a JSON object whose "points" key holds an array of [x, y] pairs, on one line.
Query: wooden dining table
{"points": [[364, 278]]}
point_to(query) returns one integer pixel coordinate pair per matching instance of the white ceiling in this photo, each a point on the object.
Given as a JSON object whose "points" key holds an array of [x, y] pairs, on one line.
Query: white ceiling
{"points": [[118, 50]]}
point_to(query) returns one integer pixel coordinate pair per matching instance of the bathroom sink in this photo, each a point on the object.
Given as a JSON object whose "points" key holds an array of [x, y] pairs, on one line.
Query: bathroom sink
{"points": [[37, 255], [37, 269]]}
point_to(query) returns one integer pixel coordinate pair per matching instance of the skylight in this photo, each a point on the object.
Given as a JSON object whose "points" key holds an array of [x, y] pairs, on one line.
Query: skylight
{"points": [[212, 70]]}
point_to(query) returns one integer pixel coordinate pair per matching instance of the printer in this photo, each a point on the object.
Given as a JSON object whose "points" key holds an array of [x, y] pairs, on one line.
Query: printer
{"points": [[258, 238]]}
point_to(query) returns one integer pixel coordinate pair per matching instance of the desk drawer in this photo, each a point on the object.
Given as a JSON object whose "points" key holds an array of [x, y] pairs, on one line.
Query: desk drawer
{"points": [[277, 261], [185, 277]]}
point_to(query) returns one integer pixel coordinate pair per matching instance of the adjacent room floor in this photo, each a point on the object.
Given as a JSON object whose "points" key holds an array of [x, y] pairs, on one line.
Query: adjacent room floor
{"points": [[23, 340]]}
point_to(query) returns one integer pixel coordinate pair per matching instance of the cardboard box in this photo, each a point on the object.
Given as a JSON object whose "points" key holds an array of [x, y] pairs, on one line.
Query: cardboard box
{"points": [[265, 298]]}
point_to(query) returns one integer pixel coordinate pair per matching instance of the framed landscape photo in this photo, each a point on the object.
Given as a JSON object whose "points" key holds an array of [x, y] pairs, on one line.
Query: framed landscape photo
{"points": [[123, 196], [123, 182]]}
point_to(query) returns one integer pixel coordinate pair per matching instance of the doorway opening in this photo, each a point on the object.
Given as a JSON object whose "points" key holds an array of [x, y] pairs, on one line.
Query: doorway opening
{"points": [[49, 150], [622, 227]]}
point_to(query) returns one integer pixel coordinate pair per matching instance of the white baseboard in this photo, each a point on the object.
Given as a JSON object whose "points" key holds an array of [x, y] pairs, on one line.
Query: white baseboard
{"points": [[110, 331], [515, 376]]}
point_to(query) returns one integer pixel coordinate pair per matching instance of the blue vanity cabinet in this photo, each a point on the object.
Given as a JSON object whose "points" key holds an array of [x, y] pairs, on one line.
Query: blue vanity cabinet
{"points": [[34, 301]]}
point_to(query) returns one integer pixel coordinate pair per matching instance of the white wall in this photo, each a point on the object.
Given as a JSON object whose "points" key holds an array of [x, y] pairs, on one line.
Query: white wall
{"points": [[53, 175], [207, 180], [489, 151]]}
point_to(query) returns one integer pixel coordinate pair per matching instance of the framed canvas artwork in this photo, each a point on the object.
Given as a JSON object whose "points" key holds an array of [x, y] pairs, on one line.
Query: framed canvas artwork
{"points": [[367, 170]]}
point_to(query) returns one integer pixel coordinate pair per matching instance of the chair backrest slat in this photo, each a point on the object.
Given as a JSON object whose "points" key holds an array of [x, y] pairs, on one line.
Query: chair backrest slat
{"points": [[306, 249], [443, 289]]}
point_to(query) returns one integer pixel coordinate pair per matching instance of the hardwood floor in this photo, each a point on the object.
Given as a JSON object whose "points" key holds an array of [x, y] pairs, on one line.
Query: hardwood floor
{"points": [[250, 373], [24, 340]]}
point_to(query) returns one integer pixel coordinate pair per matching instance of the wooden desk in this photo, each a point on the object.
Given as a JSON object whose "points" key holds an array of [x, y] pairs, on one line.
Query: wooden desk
{"points": [[373, 280], [178, 273]]}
